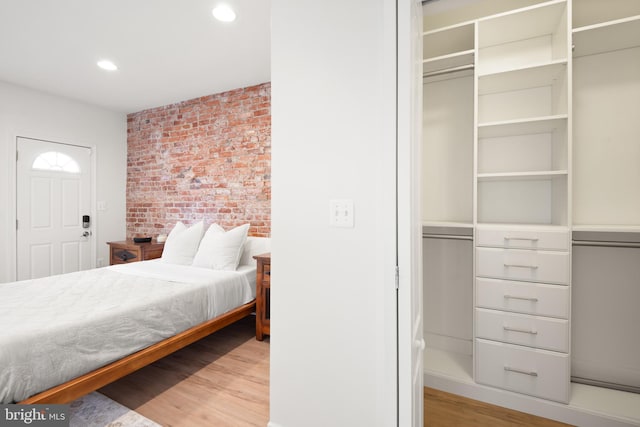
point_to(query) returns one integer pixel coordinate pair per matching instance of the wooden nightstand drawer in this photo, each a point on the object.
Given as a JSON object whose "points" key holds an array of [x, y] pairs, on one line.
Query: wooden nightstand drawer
{"points": [[266, 273], [127, 251]]}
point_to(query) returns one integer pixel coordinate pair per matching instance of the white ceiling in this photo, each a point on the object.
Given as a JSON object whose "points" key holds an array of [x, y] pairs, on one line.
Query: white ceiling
{"points": [[166, 50]]}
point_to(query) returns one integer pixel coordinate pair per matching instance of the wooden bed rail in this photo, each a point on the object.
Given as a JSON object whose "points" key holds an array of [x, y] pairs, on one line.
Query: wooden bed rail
{"points": [[77, 387]]}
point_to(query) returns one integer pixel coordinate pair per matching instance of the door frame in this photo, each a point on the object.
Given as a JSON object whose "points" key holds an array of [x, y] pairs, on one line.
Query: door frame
{"points": [[409, 216], [12, 207]]}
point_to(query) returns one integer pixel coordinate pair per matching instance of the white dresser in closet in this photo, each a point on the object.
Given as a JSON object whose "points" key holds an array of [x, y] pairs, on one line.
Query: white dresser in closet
{"points": [[522, 336]]}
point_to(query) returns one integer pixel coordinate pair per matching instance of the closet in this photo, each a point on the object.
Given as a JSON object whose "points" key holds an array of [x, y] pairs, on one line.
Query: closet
{"points": [[531, 205]]}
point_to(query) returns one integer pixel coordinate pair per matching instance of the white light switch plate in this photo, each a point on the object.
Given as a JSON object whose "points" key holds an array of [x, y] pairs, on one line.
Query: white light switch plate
{"points": [[101, 205], [341, 213]]}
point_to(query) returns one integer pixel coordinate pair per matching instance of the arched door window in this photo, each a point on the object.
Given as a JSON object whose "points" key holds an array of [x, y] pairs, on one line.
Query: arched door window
{"points": [[55, 161]]}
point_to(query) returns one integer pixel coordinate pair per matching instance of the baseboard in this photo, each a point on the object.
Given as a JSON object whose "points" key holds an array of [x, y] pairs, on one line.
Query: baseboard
{"points": [[573, 413]]}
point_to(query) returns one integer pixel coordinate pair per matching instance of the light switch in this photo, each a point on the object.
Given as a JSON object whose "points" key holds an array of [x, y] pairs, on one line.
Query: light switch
{"points": [[341, 213], [101, 205]]}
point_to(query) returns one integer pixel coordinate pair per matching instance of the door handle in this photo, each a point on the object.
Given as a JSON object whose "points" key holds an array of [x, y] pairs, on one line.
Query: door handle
{"points": [[86, 234]]}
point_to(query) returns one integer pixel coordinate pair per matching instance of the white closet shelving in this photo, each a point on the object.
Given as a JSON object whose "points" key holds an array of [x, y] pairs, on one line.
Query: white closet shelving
{"points": [[523, 94], [600, 26], [534, 36], [590, 12], [448, 93], [607, 36], [448, 60], [448, 48], [522, 97], [528, 189]]}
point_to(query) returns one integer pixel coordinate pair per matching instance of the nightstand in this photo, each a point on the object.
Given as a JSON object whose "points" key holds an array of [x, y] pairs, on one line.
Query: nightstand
{"points": [[263, 295], [126, 251]]}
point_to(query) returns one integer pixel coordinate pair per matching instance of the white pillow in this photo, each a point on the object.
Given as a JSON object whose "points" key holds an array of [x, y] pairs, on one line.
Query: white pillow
{"points": [[182, 243], [219, 250], [254, 246]]}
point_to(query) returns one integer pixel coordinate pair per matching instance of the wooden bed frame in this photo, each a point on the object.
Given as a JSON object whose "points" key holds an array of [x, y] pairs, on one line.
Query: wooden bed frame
{"points": [[77, 387]]}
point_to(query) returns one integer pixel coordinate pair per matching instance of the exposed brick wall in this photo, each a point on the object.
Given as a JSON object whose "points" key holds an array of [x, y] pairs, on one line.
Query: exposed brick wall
{"points": [[207, 159]]}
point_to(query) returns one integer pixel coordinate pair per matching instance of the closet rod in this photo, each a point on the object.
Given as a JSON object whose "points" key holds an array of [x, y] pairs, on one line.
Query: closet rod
{"points": [[606, 244], [446, 236], [448, 70], [606, 384]]}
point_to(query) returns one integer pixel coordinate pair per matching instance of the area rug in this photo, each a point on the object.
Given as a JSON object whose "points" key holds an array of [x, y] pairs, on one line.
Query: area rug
{"points": [[97, 410]]}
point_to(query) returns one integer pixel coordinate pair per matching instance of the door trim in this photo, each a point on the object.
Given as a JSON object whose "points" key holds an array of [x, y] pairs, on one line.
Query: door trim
{"points": [[409, 231]]}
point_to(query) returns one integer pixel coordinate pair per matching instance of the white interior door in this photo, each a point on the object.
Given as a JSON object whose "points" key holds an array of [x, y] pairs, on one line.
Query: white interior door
{"points": [[410, 334], [53, 188]]}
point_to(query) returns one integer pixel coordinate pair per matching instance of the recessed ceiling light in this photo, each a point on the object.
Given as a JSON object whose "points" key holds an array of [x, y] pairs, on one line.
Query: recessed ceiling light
{"points": [[224, 13], [105, 64]]}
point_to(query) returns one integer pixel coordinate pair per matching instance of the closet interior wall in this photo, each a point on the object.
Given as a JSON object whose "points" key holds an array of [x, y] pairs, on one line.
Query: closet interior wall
{"points": [[606, 198]]}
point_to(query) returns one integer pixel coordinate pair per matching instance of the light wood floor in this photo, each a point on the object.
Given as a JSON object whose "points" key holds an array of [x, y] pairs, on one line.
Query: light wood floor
{"points": [[444, 409], [223, 380]]}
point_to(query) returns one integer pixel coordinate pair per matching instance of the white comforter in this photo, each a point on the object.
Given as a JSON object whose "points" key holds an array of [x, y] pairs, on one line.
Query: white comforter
{"points": [[57, 328]]}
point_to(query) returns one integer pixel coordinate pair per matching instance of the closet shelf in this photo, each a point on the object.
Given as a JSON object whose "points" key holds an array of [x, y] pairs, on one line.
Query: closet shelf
{"points": [[522, 176], [447, 224], [448, 40], [449, 61], [526, 23], [607, 36], [520, 227], [606, 228], [534, 75], [532, 125]]}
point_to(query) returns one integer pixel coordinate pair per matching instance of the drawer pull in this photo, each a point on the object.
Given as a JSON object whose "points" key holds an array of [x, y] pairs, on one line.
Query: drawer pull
{"points": [[521, 371], [531, 239], [524, 331], [532, 299], [521, 266]]}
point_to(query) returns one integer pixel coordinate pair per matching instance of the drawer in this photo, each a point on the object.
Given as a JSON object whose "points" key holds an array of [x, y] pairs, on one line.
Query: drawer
{"points": [[533, 266], [533, 331], [523, 297], [539, 373], [266, 273], [121, 255], [518, 238]]}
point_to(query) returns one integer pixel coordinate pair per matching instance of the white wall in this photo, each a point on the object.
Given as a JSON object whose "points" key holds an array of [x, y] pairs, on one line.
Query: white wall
{"points": [[28, 113], [333, 137]]}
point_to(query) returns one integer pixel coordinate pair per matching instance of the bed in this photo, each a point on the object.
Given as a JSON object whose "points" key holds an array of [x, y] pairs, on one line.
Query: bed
{"points": [[67, 335]]}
